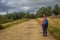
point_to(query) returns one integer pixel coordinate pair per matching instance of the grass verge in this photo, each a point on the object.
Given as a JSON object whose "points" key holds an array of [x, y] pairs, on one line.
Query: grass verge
{"points": [[55, 32], [5, 25]]}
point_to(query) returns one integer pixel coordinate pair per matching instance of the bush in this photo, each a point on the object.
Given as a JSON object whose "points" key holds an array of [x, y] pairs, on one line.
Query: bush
{"points": [[1, 27]]}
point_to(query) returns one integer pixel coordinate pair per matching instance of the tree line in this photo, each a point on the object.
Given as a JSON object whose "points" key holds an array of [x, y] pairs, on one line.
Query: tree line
{"points": [[14, 16], [48, 11]]}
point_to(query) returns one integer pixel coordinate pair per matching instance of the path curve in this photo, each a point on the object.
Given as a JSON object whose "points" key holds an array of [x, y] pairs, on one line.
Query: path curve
{"points": [[30, 30]]}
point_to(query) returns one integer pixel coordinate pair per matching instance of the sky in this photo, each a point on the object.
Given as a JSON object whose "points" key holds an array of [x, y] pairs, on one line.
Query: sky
{"points": [[25, 5]]}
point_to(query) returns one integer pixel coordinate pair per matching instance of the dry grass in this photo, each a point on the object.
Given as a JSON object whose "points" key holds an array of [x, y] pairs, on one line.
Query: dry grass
{"points": [[54, 27], [55, 22]]}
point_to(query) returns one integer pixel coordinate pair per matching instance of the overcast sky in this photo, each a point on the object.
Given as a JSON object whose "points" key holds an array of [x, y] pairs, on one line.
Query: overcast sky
{"points": [[25, 5]]}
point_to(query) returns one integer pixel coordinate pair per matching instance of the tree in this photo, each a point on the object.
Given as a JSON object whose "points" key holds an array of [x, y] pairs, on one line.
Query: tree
{"points": [[41, 11], [44, 11], [56, 9], [27, 15], [32, 16], [48, 12]]}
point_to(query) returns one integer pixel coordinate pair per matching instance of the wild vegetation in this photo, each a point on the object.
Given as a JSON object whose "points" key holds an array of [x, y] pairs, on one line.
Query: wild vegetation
{"points": [[14, 18], [54, 27]]}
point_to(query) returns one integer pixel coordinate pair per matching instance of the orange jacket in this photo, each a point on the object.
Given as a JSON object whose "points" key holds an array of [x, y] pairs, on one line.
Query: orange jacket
{"points": [[42, 21]]}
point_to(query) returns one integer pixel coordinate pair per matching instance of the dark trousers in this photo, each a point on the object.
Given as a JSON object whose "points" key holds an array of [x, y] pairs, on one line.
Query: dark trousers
{"points": [[44, 27]]}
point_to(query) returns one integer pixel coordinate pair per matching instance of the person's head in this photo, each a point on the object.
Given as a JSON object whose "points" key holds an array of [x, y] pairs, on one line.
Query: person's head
{"points": [[43, 16]]}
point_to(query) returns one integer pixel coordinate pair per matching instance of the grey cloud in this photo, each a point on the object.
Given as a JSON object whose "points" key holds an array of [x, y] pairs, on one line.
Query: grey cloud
{"points": [[57, 0], [17, 5], [4, 7]]}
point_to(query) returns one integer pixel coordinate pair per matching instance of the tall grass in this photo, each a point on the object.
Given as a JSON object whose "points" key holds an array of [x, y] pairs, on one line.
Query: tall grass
{"points": [[54, 27]]}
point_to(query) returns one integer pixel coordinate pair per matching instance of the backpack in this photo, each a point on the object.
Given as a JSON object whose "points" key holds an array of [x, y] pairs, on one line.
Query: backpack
{"points": [[45, 21]]}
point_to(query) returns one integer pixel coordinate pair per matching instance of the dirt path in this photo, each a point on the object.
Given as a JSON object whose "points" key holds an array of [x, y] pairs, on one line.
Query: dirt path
{"points": [[30, 30]]}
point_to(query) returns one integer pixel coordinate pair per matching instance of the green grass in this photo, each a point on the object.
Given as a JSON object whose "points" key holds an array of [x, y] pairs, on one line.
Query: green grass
{"points": [[5, 25], [55, 32]]}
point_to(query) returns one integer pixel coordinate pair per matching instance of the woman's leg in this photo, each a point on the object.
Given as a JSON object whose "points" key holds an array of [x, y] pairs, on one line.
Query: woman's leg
{"points": [[44, 30]]}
